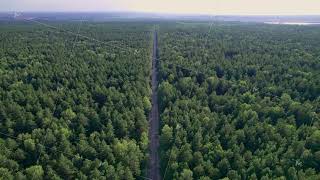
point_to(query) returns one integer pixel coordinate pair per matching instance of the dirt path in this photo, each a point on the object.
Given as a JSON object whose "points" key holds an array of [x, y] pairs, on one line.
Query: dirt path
{"points": [[154, 165]]}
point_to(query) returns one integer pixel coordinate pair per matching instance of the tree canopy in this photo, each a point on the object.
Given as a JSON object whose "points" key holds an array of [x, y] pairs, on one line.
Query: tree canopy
{"points": [[239, 101], [72, 107]]}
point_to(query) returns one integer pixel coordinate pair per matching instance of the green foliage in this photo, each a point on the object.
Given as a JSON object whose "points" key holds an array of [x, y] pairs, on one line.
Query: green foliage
{"points": [[78, 107], [245, 99], [147, 104], [240, 101], [5, 174], [186, 175], [167, 94], [166, 136], [35, 172]]}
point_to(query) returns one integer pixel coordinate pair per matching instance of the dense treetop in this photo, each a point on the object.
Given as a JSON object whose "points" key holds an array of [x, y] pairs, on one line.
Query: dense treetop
{"points": [[239, 101], [73, 107]]}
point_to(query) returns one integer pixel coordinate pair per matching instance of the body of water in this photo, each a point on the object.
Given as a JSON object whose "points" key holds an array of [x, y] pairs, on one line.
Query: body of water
{"points": [[294, 23]]}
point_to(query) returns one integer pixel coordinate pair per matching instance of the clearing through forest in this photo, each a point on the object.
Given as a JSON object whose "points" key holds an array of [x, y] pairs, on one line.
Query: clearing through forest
{"points": [[154, 165]]}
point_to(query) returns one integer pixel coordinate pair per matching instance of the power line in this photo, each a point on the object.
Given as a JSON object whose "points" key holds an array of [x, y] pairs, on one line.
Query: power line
{"points": [[77, 35], [45, 138], [75, 40], [144, 177], [73, 33], [192, 70], [165, 172]]}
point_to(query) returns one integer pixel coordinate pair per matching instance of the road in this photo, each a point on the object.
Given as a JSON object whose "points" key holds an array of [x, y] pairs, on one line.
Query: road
{"points": [[154, 165]]}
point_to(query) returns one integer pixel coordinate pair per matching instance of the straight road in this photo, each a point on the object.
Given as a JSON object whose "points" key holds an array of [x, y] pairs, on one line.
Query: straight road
{"points": [[154, 165]]}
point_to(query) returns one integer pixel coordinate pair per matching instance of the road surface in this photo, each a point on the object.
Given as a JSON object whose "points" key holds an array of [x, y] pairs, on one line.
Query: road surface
{"points": [[154, 165]]}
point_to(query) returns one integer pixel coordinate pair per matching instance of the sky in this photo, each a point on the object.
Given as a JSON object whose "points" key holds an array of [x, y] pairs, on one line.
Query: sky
{"points": [[220, 7]]}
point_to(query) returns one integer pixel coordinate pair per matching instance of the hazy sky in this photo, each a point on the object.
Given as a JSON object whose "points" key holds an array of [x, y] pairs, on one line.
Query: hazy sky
{"points": [[240, 7]]}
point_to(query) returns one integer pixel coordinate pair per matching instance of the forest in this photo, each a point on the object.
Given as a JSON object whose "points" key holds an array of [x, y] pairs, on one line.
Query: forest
{"points": [[72, 107], [239, 101], [236, 100]]}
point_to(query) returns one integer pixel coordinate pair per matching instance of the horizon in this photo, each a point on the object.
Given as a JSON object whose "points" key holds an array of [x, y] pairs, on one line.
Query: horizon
{"points": [[177, 7], [156, 13]]}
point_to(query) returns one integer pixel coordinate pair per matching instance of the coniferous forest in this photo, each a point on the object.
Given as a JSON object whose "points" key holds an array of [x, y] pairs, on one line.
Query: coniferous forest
{"points": [[236, 100], [72, 107], [240, 101]]}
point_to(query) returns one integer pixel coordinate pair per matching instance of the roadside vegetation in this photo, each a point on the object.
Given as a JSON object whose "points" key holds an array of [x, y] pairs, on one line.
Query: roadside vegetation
{"points": [[72, 107], [239, 101], [236, 100]]}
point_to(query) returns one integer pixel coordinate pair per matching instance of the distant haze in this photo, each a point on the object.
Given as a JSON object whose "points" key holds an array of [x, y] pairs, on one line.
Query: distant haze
{"points": [[220, 7]]}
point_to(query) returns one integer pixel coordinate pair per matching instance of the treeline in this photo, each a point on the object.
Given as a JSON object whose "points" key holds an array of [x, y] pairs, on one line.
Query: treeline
{"points": [[73, 107], [239, 101]]}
